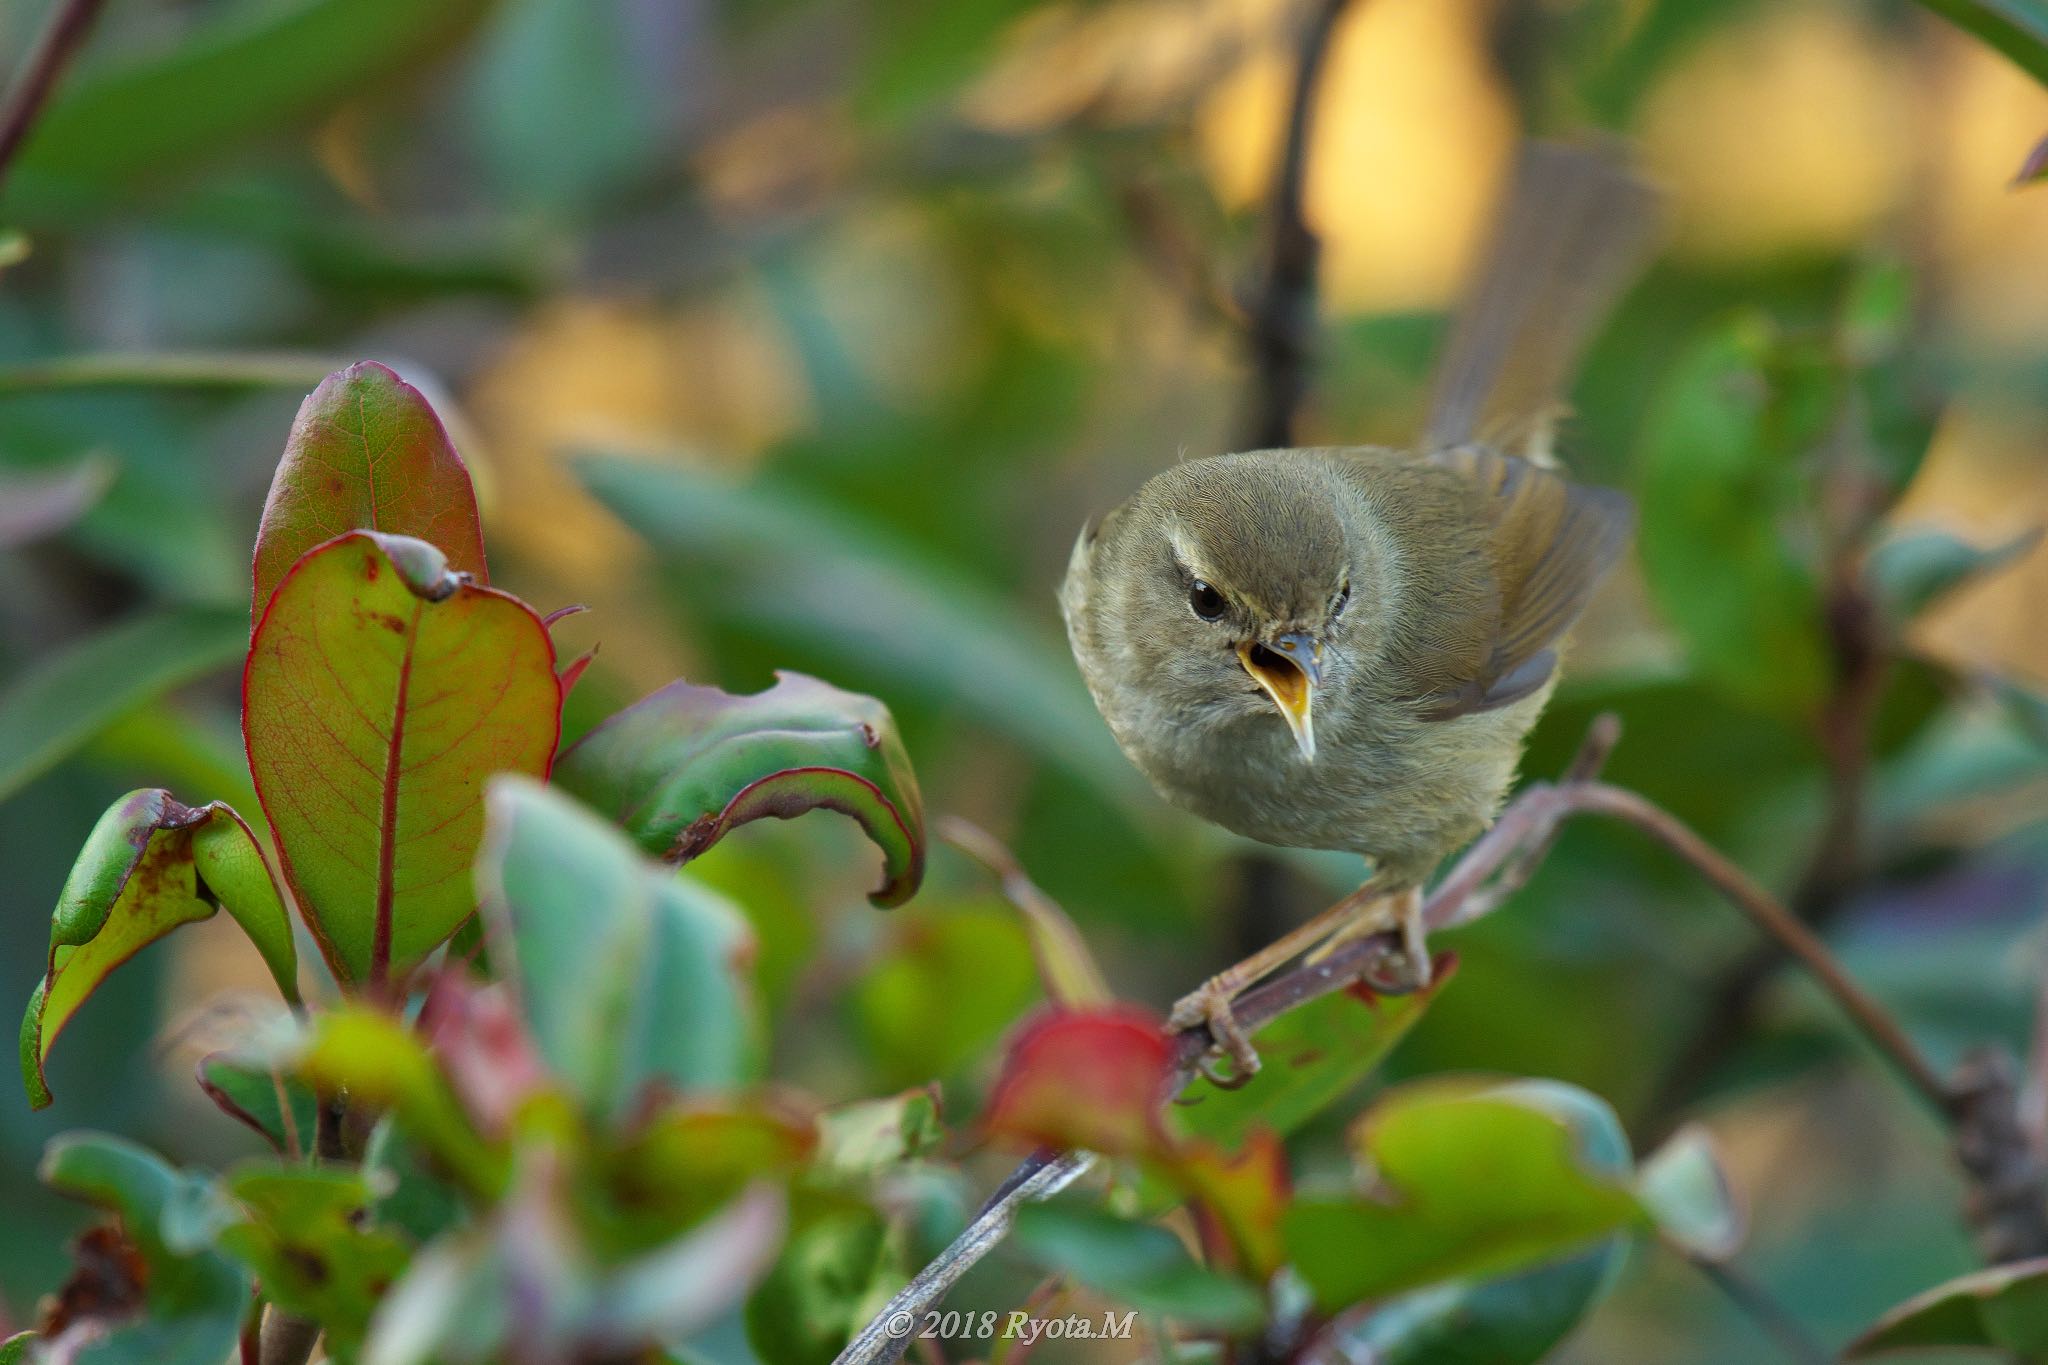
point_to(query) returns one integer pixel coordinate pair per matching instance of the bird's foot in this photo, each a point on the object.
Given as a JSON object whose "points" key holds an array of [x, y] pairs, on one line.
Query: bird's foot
{"points": [[1209, 1007], [1406, 969]]}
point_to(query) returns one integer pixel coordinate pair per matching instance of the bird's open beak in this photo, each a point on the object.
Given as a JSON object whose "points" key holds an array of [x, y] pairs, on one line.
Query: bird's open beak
{"points": [[1289, 670]]}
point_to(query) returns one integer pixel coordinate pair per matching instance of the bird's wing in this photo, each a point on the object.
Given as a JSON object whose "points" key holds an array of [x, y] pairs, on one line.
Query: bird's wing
{"points": [[1551, 541]]}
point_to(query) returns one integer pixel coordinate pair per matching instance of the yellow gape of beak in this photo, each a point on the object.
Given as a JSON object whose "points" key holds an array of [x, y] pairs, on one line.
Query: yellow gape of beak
{"points": [[1289, 670]]}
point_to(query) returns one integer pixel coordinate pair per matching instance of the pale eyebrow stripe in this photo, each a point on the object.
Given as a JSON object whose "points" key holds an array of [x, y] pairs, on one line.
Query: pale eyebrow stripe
{"points": [[1184, 549]]}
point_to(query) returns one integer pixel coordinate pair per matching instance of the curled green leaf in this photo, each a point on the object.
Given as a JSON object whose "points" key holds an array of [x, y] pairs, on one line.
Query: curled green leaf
{"points": [[683, 765], [2004, 1308], [149, 865]]}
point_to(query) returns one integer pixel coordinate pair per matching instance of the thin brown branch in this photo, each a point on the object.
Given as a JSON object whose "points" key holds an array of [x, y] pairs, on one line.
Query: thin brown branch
{"points": [[1861, 664], [1283, 312], [1064, 963], [1757, 1303], [1775, 922], [62, 34], [1501, 855]]}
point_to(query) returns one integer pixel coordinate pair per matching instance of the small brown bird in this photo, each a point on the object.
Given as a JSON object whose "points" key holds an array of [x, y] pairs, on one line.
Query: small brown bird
{"points": [[1343, 648]]}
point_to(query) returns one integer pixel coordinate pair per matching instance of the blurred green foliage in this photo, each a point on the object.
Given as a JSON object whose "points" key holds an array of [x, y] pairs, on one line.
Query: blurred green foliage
{"points": [[770, 340]]}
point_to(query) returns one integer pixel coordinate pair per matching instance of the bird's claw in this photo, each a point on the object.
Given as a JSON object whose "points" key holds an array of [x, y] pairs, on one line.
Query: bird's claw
{"points": [[1209, 1007]]}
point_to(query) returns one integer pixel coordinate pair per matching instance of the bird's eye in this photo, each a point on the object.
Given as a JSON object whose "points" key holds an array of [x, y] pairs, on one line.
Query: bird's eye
{"points": [[1205, 601], [1342, 601]]}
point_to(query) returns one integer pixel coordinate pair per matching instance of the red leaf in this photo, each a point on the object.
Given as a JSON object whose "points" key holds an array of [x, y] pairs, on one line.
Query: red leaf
{"points": [[1241, 1196], [485, 1050], [366, 452], [1089, 1079]]}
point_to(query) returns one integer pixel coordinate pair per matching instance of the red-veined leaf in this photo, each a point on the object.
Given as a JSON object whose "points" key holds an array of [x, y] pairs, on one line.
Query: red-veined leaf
{"points": [[683, 765], [382, 689]]}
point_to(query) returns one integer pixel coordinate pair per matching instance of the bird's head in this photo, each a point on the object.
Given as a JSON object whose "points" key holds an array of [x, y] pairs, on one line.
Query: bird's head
{"points": [[1240, 590]]}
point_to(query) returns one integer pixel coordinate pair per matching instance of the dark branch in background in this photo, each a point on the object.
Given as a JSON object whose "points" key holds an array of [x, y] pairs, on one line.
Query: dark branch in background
{"points": [[1833, 870], [68, 24], [1490, 870], [1782, 1328], [1283, 313]]}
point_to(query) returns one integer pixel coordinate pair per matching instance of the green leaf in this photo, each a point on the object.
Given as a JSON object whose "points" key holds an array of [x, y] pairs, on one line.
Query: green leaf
{"points": [[2017, 28], [923, 52], [693, 1279], [1738, 416], [381, 690], [860, 1140], [679, 768], [61, 701], [366, 452], [194, 1300], [412, 1196], [141, 874], [1910, 572], [245, 77], [1686, 1190], [836, 1271], [2003, 1308], [1518, 1320], [687, 1161], [258, 1093], [1141, 1264], [18, 1349], [1550, 1189], [628, 975], [303, 1237], [787, 567], [967, 964], [574, 100], [382, 1065], [1313, 1057]]}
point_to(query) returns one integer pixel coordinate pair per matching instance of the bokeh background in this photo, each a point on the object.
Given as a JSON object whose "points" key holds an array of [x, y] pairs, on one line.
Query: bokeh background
{"points": [[805, 333]]}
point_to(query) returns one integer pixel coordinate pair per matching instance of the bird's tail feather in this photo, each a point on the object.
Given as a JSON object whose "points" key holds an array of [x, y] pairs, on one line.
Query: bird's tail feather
{"points": [[1575, 228]]}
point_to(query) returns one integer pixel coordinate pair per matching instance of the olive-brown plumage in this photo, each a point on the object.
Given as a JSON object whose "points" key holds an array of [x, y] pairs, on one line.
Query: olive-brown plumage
{"points": [[1343, 648]]}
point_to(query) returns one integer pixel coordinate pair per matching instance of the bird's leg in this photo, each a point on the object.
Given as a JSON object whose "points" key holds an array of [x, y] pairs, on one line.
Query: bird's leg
{"points": [[1210, 1004], [1401, 910]]}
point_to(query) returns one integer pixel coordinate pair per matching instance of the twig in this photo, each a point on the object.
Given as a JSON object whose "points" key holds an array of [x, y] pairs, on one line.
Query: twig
{"points": [[1064, 962], [1861, 665], [1531, 821], [883, 1340], [1774, 920], [1284, 310], [66, 29], [1762, 1308]]}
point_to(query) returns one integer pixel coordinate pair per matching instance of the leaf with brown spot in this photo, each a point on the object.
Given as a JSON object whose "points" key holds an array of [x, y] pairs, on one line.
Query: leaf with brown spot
{"points": [[151, 864], [370, 746]]}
